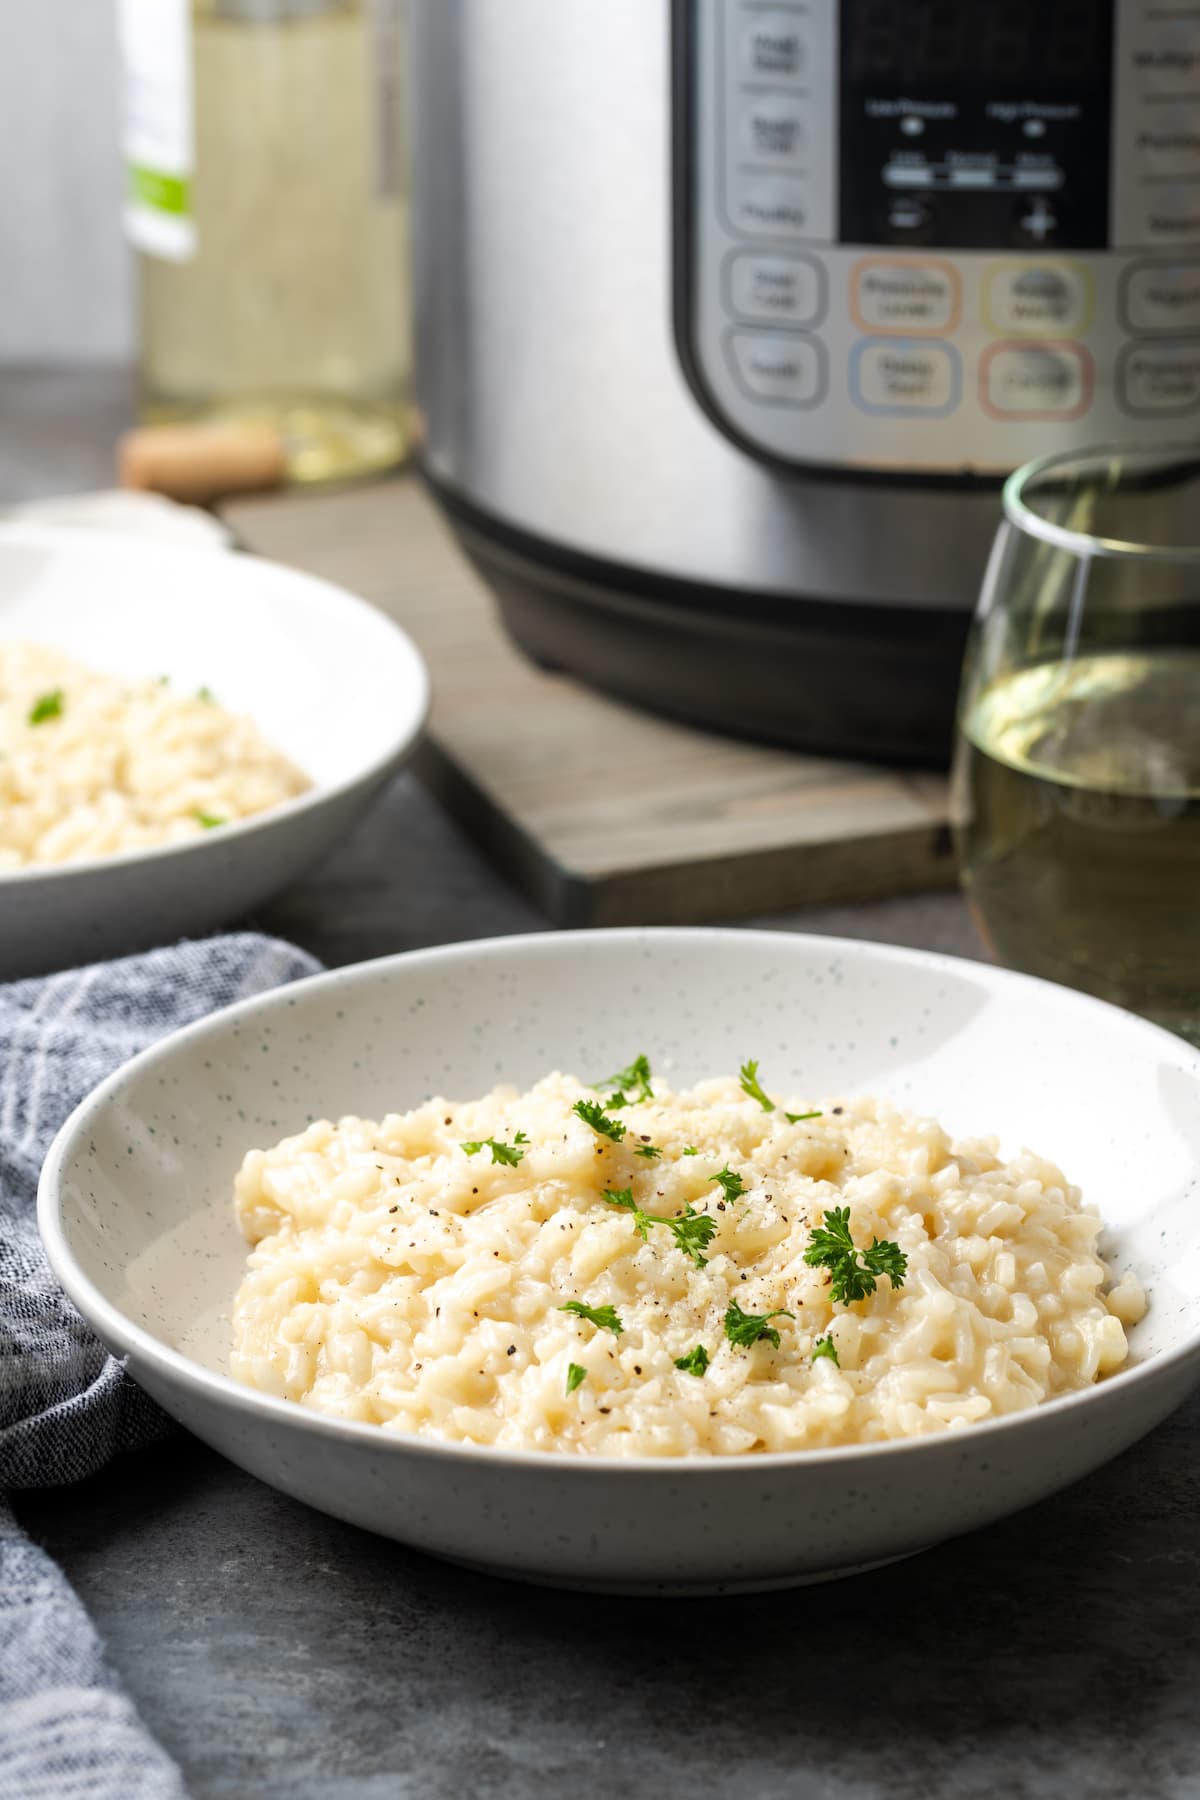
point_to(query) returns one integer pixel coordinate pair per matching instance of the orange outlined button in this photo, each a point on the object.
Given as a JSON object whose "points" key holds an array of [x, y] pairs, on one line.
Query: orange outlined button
{"points": [[905, 296], [1024, 380]]}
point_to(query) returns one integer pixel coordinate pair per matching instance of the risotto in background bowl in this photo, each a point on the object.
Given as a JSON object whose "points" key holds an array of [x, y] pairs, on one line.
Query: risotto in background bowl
{"points": [[503, 1331], [182, 732]]}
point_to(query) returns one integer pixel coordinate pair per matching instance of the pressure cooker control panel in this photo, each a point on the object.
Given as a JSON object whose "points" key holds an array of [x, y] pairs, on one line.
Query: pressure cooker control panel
{"points": [[925, 234]]}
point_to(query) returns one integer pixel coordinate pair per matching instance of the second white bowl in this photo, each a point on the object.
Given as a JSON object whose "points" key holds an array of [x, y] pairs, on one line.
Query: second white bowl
{"points": [[329, 680]]}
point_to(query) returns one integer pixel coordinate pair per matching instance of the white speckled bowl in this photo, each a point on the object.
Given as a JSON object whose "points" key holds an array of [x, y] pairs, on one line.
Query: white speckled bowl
{"points": [[136, 1214], [330, 681]]}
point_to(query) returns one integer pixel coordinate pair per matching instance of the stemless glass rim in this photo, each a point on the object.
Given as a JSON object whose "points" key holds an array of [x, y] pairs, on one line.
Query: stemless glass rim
{"points": [[1020, 514]]}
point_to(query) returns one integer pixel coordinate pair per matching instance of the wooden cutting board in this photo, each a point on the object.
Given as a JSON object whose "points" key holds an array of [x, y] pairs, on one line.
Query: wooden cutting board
{"points": [[602, 814]]}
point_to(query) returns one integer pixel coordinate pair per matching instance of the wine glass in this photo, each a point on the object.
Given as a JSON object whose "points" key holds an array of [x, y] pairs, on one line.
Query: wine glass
{"points": [[1076, 785]]}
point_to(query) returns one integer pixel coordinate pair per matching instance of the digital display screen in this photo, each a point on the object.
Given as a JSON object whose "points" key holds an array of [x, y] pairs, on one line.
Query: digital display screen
{"points": [[975, 123], [975, 41]]}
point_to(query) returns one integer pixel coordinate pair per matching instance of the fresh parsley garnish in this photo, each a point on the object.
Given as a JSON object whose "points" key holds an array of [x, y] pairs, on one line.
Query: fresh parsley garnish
{"points": [[744, 1329], [833, 1248], [732, 1186], [629, 1084], [624, 1197], [695, 1362], [647, 1150], [691, 1151], [748, 1076], [46, 706], [501, 1152], [825, 1346], [603, 1316], [210, 821], [593, 1114], [575, 1375], [693, 1231], [206, 693]]}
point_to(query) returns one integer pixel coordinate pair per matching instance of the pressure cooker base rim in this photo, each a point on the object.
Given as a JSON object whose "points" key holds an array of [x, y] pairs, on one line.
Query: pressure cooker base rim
{"points": [[867, 682]]}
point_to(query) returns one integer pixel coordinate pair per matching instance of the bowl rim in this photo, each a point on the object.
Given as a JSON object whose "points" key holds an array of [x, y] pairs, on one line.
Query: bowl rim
{"points": [[407, 726], [114, 1325]]}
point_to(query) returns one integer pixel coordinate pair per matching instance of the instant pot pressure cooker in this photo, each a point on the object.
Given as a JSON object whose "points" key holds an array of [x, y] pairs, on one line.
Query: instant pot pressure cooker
{"points": [[732, 313]]}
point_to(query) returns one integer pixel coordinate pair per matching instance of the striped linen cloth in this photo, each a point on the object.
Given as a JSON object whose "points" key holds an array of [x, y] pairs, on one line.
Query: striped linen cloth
{"points": [[67, 1730]]}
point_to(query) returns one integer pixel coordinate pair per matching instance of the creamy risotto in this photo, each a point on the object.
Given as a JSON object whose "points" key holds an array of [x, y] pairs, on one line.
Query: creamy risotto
{"points": [[673, 1275], [92, 764]]}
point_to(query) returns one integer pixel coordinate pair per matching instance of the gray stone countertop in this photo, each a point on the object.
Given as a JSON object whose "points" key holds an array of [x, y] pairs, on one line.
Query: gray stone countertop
{"points": [[279, 1653]]}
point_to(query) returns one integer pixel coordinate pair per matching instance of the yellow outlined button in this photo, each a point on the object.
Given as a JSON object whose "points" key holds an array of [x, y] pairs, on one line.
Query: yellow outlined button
{"points": [[1037, 298]]}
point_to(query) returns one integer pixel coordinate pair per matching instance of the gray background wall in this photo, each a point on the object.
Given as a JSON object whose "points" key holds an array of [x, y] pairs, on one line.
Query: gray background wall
{"points": [[65, 276]]}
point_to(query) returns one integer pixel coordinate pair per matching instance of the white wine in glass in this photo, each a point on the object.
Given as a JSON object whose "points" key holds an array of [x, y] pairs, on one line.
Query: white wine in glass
{"points": [[1077, 773]]}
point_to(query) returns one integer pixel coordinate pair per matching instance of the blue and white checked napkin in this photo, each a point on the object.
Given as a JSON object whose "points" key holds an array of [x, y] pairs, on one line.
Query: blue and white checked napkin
{"points": [[67, 1731]]}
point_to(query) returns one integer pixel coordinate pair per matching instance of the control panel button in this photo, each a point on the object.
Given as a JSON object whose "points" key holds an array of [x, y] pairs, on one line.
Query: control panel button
{"points": [[1161, 297], [905, 297], [1168, 141], [773, 47], [1035, 381], [1165, 54], [1173, 215], [771, 206], [1159, 380], [1035, 221], [907, 219], [775, 290], [773, 127], [902, 378], [786, 370], [1037, 299]]}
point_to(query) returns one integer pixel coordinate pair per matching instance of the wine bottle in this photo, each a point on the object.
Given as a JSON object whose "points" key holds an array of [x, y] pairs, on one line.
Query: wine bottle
{"points": [[267, 196]]}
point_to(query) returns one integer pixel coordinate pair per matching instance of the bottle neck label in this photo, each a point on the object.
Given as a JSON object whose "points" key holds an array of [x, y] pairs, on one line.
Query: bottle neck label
{"points": [[158, 138]]}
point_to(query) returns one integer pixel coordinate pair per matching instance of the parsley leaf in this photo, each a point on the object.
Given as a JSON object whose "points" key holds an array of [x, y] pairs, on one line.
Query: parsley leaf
{"points": [[885, 1258], [732, 1186], [206, 693], [624, 1197], [647, 1150], [695, 1362], [630, 1084], [748, 1076], [501, 1152], [46, 706], [603, 1316], [593, 1114], [691, 1151], [833, 1248], [744, 1328], [575, 1375], [825, 1346], [210, 821], [693, 1231]]}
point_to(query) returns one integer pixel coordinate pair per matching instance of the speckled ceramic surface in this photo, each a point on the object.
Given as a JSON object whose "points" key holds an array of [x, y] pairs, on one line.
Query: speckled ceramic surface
{"points": [[330, 681], [137, 1217]]}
